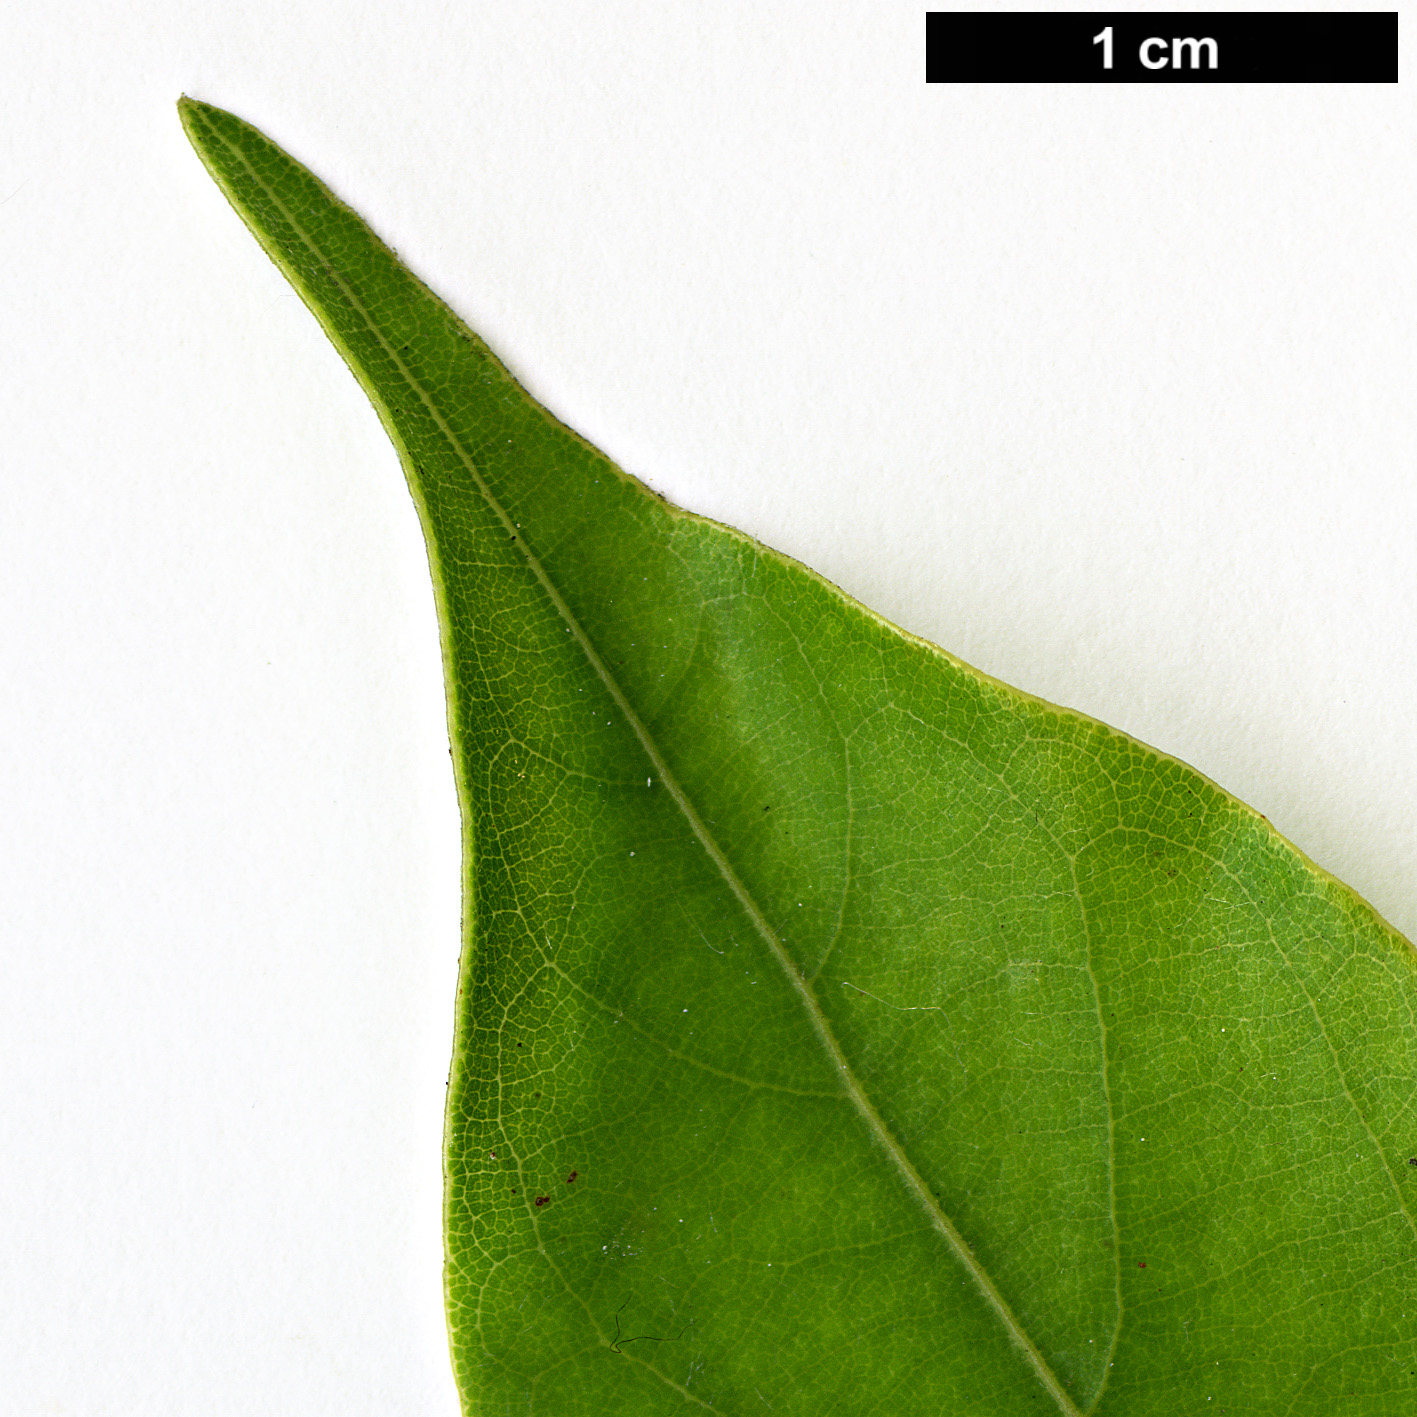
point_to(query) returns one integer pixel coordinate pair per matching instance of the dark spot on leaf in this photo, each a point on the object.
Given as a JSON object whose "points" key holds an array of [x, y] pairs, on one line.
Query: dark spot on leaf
{"points": [[542, 1200], [1412, 1160], [536, 1094], [1172, 872], [572, 1177], [1141, 1264]]}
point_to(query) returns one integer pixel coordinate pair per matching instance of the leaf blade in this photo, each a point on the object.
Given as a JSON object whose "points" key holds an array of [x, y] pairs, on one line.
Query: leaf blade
{"points": [[1033, 904]]}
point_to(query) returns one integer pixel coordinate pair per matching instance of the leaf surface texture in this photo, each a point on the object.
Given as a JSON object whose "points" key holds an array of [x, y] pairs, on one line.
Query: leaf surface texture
{"points": [[841, 1031]]}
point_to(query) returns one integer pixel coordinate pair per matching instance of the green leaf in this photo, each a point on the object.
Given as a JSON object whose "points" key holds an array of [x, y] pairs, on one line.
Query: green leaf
{"points": [[840, 1030]]}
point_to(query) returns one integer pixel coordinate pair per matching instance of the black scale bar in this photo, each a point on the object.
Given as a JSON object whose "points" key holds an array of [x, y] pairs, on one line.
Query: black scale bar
{"points": [[1164, 47]]}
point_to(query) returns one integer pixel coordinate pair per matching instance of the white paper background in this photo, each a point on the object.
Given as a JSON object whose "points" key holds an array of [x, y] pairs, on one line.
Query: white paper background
{"points": [[1108, 390]]}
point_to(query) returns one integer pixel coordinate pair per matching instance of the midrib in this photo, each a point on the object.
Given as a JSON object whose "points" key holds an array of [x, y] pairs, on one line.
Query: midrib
{"points": [[851, 1085]]}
